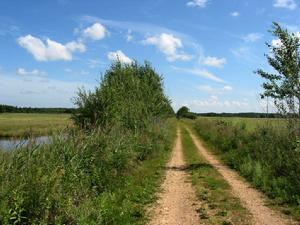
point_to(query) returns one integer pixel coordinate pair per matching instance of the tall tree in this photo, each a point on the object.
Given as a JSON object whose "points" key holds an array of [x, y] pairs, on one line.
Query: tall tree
{"points": [[283, 85]]}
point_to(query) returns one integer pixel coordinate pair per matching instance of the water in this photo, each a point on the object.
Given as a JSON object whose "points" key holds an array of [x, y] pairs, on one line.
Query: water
{"points": [[11, 144]]}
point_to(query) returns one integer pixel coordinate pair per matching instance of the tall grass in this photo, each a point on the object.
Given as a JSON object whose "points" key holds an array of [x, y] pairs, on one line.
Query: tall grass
{"points": [[267, 156], [94, 175]]}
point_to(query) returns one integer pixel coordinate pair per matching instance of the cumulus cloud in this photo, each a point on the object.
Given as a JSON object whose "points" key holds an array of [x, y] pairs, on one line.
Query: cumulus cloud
{"points": [[95, 32], [235, 14], [169, 45], [49, 50], [288, 4], [197, 3], [214, 61], [252, 37], [119, 55]]}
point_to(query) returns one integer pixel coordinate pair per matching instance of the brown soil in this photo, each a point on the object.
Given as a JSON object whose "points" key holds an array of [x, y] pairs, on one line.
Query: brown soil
{"points": [[250, 198], [177, 203]]}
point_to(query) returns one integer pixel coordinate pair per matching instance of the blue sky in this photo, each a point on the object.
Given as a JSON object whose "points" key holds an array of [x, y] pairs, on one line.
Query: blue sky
{"points": [[206, 50]]}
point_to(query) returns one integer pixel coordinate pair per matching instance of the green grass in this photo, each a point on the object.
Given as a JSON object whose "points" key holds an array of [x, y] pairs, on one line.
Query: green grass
{"points": [[250, 123], [95, 178], [268, 157], [25, 124], [219, 206]]}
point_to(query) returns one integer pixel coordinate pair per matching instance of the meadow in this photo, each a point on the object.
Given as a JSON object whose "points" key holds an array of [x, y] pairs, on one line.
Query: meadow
{"points": [[249, 123], [32, 124]]}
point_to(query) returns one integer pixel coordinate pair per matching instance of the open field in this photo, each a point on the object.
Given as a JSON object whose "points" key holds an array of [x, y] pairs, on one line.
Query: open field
{"points": [[250, 123], [22, 124]]}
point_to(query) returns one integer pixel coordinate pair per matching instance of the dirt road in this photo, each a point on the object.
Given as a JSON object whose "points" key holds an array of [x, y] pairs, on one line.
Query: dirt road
{"points": [[250, 198], [177, 203]]}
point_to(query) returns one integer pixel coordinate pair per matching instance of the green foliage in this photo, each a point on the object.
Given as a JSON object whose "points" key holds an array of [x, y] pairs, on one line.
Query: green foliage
{"points": [[101, 175], [184, 112], [129, 96], [284, 84], [266, 156]]}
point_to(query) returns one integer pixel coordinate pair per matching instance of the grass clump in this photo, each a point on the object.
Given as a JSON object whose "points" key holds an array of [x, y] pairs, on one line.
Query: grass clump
{"points": [[104, 170]]}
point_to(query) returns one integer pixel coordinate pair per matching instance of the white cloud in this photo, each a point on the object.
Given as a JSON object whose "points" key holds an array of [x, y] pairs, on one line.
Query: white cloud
{"points": [[76, 46], [49, 50], [288, 4], [197, 3], [35, 72], [227, 88], [200, 72], [129, 36], [93, 63], [215, 104], [214, 61], [95, 32], [17, 91], [212, 90], [119, 55], [169, 45], [235, 14], [252, 37]]}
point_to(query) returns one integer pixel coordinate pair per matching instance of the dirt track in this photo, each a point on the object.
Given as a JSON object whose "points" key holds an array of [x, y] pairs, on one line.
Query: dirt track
{"points": [[177, 203], [250, 198]]}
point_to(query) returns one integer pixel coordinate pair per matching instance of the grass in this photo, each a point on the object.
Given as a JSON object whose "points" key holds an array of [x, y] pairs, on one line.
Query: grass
{"points": [[219, 206], [95, 178], [250, 123], [268, 157], [26, 124]]}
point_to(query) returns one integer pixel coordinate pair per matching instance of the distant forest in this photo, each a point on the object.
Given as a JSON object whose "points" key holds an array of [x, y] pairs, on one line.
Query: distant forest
{"points": [[15, 109], [246, 115]]}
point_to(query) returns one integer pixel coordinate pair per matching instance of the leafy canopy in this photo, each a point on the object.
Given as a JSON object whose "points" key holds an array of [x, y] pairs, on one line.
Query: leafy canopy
{"points": [[283, 84]]}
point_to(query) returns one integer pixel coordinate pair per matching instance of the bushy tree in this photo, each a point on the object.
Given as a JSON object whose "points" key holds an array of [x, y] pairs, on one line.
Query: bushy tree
{"points": [[184, 112], [129, 95], [283, 85]]}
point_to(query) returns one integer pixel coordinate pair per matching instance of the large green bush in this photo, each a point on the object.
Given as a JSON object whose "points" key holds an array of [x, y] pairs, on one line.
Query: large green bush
{"points": [[267, 156], [129, 95]]}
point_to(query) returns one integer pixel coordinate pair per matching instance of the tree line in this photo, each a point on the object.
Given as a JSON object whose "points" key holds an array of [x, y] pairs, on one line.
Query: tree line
{"points": [[15, 109]]}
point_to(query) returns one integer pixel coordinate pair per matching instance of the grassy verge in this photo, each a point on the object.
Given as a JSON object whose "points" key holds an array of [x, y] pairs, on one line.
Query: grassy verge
{"points": [[26, 124], [218, 204], [95, 178], [266, 156]]}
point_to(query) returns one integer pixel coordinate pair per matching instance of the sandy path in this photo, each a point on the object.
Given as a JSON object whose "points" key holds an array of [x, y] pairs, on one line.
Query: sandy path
{"points": [[177, 202], [250, 198]]}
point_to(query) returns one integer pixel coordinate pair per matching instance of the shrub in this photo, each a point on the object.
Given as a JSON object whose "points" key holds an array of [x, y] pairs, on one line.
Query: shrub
{"points": [[129, 95]]}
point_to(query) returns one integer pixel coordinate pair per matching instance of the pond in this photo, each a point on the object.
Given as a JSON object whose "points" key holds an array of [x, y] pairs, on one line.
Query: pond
{"points": [[11, 144]]}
